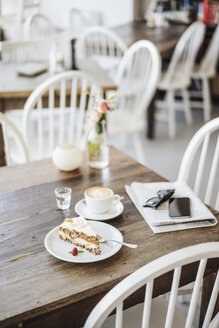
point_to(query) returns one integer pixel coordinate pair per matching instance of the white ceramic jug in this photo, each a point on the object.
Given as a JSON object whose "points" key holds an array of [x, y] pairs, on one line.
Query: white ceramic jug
{"points": [[67, 157]]}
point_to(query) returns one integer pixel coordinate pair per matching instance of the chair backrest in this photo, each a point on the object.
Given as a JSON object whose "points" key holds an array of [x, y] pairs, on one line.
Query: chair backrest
{"points": [[102, 45], [24, 51], [15, 148], [21, 11], [183, 58], [201, 160], [137, 83], [147, 274], [58, 108], [209, 61], [38, 26], [80, 20], [26, 8]]}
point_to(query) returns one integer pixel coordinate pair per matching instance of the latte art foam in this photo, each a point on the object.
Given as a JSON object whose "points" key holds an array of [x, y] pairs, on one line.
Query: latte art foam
{"points": [[99, 192]]}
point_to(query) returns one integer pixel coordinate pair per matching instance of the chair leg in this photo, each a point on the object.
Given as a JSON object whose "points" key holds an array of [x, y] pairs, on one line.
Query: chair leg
{"points": [[206, 99], [186, 104], [139, 148], [171, 114]]}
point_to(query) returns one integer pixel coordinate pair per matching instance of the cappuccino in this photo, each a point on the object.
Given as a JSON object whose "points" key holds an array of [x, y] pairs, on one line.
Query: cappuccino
{"points": [[100, 199], [99, 192]]}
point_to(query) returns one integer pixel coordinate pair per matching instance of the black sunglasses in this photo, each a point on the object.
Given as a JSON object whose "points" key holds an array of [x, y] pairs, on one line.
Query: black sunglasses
{"points": [[162, 196]]}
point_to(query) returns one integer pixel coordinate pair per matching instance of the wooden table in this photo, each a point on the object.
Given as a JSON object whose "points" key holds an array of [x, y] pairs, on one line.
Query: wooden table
{"points": [[41, 291], [165, 38], [14, 89]]}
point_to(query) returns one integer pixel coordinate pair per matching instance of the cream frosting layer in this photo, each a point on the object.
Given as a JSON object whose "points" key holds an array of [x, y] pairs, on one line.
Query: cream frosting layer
{"points": [[79, 224], [79, 241]]}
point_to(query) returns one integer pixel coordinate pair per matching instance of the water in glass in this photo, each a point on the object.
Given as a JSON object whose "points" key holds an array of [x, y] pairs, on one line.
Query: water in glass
{"points": [[63, 197], [97, 146]]}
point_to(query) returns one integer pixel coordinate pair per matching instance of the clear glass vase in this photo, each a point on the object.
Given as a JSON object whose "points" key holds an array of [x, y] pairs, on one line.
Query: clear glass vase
{"points": [[98, 149]]}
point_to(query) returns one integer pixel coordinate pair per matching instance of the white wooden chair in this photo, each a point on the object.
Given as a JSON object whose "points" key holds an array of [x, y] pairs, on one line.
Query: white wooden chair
{"points": [[15, 148], [19, 53], [205, 71], [178, 74], [63, 124], [14, 20], [100, 46], [28, 7], [136, 87], [58, 42], [39, 26], [24, 51], [80, 20], [153, 313], [202, 158]]}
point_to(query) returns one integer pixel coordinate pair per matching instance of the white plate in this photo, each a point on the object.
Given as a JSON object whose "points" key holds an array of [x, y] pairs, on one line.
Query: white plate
{"points": [[82, 210], [60, 248]]}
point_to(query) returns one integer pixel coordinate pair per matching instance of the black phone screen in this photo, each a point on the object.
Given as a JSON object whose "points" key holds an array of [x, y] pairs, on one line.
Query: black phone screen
{"points": [[179, 207]]}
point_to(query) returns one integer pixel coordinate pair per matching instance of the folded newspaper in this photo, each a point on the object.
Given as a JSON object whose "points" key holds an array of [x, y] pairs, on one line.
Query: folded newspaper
{"points": [[159, 220]]}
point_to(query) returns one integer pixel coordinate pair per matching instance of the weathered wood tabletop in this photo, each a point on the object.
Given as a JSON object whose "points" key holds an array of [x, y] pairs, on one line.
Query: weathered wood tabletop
{"points": [[165, 38], [41, 291]]}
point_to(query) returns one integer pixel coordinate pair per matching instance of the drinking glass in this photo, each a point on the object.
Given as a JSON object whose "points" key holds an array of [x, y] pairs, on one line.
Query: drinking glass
{"points": [[63, 197]]}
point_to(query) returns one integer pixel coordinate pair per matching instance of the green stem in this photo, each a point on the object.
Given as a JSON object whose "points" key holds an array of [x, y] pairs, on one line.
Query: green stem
{"points": [[98, 125]]}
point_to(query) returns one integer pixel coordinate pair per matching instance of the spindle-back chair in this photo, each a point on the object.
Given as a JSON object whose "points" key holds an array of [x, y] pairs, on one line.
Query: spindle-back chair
{"points": [[25, 51], [202, 159], [178, 74], [101, 45], [38, 26], [59, 122], [206, 70], [146, 275], [136, 87]]}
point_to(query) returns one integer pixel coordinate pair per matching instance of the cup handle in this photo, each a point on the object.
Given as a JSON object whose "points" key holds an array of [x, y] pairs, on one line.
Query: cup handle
{"points": [[117, 199]]}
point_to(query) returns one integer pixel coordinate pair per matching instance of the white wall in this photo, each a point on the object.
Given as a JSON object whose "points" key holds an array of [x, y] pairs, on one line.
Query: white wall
{"points": [[8, 7], [115, 12]]}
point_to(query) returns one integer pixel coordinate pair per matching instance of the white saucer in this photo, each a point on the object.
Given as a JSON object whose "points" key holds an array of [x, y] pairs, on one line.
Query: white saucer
{"points": [[82, 210]]}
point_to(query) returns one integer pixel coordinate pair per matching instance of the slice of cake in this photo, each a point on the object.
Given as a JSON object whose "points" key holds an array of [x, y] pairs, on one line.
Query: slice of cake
{"points": [[80, 233]]}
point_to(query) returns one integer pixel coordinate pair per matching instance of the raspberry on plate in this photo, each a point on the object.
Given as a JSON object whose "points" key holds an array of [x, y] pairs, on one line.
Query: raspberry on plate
{"points": [[75, 251]]}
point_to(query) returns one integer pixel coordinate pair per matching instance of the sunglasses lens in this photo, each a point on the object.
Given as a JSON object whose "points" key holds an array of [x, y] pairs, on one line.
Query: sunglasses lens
{"points": [[152, 202], [165, 193]]}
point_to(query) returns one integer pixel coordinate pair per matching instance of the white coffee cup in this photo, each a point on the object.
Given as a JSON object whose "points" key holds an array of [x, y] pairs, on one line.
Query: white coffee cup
{"points": [[100, 199]]}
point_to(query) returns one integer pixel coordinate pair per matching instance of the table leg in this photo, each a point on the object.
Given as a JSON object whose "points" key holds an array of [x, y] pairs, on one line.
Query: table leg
{"points": [[2, 151], [150, 118], [208, 284]]}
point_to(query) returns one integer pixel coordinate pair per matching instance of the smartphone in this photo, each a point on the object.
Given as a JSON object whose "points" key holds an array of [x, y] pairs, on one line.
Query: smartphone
{"points": [[179, 208]]}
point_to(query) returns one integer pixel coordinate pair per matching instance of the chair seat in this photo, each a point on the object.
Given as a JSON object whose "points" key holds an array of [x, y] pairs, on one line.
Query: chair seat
{"points": [[107, 62], [133, 316], [175, 84], [123, 123], [199, 73]]}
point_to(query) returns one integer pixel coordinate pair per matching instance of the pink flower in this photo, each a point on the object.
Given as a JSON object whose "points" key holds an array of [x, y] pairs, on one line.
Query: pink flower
{"points": [[103, 106], [95, 114]]}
